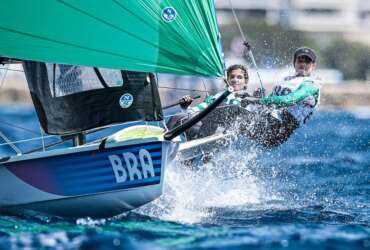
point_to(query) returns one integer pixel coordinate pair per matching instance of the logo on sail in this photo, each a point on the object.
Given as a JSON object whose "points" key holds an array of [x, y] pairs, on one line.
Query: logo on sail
{"points": [[169, 14], [126, 100]]}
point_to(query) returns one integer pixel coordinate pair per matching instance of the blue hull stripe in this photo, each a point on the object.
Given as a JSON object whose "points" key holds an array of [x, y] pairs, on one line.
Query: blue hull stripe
{"points": [[99, 172], [87, 172], [112, 187], [97, 160], [91, 164], [96, 179], [71, 160]]}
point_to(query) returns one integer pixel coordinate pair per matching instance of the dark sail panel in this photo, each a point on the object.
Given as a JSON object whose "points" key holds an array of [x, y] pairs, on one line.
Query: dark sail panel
{"points": [[70, 99]]}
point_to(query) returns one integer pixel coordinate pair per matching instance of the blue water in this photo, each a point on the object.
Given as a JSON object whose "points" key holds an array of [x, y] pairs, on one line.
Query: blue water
{"points": [[311, 193]]}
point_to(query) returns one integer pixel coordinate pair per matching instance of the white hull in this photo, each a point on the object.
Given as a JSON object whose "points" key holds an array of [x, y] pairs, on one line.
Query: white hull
{"points": [[96, 206]]}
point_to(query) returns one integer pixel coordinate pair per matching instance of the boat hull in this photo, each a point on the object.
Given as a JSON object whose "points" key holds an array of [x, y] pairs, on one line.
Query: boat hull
{"points": [[102, 205], [90, 180]]}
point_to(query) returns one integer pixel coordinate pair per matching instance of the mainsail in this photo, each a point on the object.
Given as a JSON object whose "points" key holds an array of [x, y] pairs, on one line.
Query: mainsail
{"points": [[170, 36], [70, 99]]}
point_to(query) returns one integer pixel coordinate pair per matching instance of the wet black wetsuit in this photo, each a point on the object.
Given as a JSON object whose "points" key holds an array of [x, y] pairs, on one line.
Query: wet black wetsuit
{"points": [[260, 125]]}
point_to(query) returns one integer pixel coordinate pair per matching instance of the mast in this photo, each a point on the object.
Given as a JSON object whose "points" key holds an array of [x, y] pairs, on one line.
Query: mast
{"points": [[79, 139]]}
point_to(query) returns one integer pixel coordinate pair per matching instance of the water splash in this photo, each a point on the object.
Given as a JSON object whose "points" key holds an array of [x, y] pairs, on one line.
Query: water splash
{"points": [[192, 193], [90, 222]]}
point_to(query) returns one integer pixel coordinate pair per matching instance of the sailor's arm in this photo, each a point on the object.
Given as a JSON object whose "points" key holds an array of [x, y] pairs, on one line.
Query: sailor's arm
{"points": [[305, 90], [203, 105]]}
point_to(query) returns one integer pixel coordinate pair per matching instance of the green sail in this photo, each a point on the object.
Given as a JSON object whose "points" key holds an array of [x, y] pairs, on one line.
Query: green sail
{"points": [[165, 36]]}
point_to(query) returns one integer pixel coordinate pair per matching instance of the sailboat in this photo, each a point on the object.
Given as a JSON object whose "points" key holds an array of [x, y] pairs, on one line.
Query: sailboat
{"points": [[90, 65]]}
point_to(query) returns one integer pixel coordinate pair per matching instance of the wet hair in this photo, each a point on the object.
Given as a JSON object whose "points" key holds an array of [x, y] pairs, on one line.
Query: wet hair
{"points": [[237, 66]]}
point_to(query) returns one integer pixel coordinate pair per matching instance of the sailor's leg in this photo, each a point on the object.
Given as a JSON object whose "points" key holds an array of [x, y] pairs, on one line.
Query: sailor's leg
{"points": [[264, 127], [180, 119], [279, 130], [289, 125], [176, 120], [269, 131]]}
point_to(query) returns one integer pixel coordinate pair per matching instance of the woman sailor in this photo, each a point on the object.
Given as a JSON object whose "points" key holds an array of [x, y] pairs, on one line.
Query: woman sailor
{"points": [[300, 92], [237, 76], [295, 99]]}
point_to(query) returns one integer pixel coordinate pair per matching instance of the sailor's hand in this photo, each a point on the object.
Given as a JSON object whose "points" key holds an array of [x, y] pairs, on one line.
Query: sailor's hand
{"points": [[247, 45], [259, 93], [185, 101], [249, 100]]}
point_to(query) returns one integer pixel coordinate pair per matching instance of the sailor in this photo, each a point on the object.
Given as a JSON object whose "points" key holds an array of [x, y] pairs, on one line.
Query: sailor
{"points": [[295, 98], [237, 76]]}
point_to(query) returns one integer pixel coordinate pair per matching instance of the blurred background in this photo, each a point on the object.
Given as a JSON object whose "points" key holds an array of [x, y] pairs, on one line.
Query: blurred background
{"points": [[339, 31]]}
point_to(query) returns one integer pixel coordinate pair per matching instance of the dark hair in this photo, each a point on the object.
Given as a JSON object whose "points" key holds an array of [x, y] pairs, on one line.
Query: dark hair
{"points": [[237, 66]]}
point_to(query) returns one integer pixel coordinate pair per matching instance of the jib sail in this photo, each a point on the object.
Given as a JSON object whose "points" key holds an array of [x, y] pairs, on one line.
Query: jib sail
{"points": [[170, 36]]}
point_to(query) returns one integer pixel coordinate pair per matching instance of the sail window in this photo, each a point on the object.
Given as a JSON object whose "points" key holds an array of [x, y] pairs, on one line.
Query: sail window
{"points": [[70, 79], [82, 102]]}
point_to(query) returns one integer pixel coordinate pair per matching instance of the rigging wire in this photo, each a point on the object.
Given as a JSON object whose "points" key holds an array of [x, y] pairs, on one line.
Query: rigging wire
{"points": [[205, 87], [9, 143], [4, 76], [15, 70], [19, 127], [174, 88], [27, 140], [182, 112], [246, 44]]}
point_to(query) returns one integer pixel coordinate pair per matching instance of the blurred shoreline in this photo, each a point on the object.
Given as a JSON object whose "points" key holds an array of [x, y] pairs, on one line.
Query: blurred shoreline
{"points": [[346, 95], [343, 95]]}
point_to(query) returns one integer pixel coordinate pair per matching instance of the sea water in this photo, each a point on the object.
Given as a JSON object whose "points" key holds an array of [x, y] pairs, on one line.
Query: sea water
{"points": [[313, 192]]}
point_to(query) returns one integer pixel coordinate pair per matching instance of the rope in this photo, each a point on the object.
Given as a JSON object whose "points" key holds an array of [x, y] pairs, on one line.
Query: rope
{"points": [[246, 44]]}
